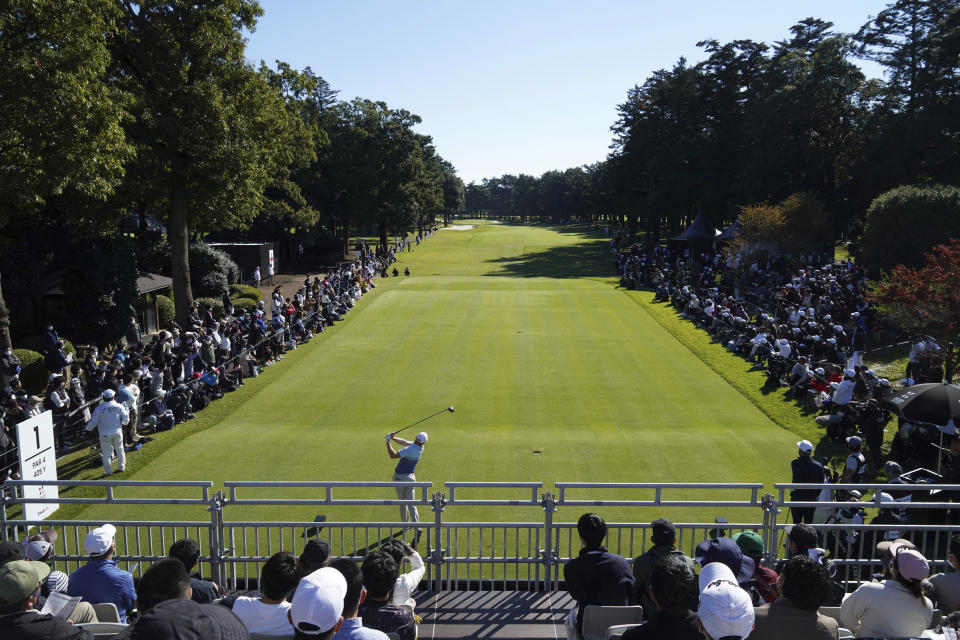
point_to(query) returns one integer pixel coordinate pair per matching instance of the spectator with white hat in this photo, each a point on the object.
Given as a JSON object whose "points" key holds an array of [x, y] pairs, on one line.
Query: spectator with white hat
{"points": [[726, 611], [805, 470], [100, 580], [109, 419], [317, 607], [38, 547]]}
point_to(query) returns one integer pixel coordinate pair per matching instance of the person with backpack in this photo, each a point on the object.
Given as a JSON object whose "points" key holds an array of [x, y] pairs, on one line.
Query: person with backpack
{"points": [[664, 538], [856, 463]]}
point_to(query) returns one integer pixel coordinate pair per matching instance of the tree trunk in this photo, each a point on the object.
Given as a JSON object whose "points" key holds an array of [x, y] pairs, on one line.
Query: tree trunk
{"points": [[141, 230], [383, 235], [5, 342], [346, 236], [178, 233]]}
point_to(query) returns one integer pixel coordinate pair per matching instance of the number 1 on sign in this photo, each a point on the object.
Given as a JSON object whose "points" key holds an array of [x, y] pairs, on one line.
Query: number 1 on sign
{"points": [[36, 432]]}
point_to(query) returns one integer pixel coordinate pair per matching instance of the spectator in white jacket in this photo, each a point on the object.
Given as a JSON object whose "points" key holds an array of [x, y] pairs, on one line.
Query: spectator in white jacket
{"points": [[895, 607], [109, 418], [406, 582]]}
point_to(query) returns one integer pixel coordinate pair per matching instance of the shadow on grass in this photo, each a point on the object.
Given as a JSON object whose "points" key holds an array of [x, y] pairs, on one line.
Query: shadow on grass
{"points": [[589, 258]]}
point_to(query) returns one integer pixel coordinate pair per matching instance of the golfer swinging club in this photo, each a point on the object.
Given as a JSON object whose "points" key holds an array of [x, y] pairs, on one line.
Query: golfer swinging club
{"points": [[409, 456]]}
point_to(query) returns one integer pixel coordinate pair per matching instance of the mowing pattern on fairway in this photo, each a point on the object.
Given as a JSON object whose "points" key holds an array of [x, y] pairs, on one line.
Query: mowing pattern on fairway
{"points": [[523, 330]]}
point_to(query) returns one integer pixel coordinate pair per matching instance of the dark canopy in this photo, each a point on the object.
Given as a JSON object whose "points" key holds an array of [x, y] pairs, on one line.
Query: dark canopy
{"points": [[730, 232], [700, 229]]}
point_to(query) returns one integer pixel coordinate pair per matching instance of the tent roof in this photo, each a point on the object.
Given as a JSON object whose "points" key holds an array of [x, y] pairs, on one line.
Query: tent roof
{"points": [[700, 229], [731, 231]]}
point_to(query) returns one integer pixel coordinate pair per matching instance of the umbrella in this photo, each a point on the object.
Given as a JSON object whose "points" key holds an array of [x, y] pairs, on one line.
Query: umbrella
{"points": [[934, 402]]}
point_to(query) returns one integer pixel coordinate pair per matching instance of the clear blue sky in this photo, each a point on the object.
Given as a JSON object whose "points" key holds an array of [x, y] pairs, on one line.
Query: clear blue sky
{"points": [[517, 86]]}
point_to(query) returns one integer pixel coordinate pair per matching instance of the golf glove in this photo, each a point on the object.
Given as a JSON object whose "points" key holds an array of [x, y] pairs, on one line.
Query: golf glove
{"points": [[387, 438]]}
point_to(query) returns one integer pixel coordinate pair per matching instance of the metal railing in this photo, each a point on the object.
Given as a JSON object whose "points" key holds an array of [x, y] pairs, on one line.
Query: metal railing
{"points": [[477, 554]]}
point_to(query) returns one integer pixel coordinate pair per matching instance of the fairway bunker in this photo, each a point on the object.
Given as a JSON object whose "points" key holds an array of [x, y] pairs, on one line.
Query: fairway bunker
{"points": [[457, 227], [537, 452]]}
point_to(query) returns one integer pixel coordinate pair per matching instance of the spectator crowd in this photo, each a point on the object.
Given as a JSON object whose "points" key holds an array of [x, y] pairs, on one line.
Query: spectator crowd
{"points": [[141, 386]]}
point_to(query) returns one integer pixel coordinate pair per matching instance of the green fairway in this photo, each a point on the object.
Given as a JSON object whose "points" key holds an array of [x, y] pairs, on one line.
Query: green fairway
{"points": [[523, 330]]}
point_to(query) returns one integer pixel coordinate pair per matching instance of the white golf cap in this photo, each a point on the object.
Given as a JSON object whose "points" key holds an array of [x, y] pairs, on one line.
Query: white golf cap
{"points": [[318, 601], [849, 373], [99, 540], [725, 608], [806, 446], [108, 394], [422, 437]]}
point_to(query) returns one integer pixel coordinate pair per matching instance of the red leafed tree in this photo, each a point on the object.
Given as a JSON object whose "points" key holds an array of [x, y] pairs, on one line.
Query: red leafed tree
{"points": [[925, 300]]}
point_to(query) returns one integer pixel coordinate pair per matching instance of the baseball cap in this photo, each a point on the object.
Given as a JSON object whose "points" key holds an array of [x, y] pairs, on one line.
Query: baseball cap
{"points": [[663, 531], [99, 540], [18, 579], [910, 563], [10, 551], [318, 601], [750, 542], [806, 446], [855, 441], [850, 373], [37, 546], [108, 394], [186, 620], [315, 552], [422, 437], [726, 551], [803, 534], [725, 609]]}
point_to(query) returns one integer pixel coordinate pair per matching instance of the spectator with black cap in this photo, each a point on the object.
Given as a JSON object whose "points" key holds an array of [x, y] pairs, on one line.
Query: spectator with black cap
{"points": [[663, 535], [726, 551], [794, 616], [314, 555], [596, 576], [20, 584], [805, 470]]}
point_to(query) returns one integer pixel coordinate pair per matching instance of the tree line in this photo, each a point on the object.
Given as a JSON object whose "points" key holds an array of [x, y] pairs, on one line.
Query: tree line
{"points": [[756, 123], [111, 109]]}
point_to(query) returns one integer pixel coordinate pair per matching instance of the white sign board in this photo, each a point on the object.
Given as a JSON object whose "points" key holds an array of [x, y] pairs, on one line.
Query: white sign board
{"points": [[270, 260], [38, 461]]}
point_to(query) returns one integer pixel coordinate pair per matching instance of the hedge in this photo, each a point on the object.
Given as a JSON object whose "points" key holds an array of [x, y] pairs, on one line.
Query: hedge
{"points": [[33, 344], [166, 312], [33, 373], [245, 291], [243, 304], [215, 303]]}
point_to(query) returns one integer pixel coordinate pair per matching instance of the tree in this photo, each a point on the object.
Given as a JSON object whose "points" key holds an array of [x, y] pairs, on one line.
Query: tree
{"points": [[760, 231], [925, 300], [212, 123], [904, 223], [60, 122], [453, 194]]}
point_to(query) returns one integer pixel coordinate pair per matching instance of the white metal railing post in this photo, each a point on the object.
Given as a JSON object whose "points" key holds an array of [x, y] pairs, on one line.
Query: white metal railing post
{"points": [[217, 552], [3, 512], [438, 552], [770, 511], [548, 555]]}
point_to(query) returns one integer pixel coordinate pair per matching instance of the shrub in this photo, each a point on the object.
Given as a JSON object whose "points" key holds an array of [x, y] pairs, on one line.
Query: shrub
{"points": [[215, 303], [211, 271], [33, 344], [245, 291], [243, 304], [904, 223], [33, 374], [166, 311]]}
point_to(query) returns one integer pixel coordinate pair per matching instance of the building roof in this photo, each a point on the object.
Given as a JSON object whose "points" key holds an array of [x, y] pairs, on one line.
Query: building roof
{"points": [[147, 282], [699, 230]]}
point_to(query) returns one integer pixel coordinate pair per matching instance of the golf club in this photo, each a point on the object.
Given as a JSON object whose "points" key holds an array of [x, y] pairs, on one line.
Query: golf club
{"points": [[450, 409]]}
